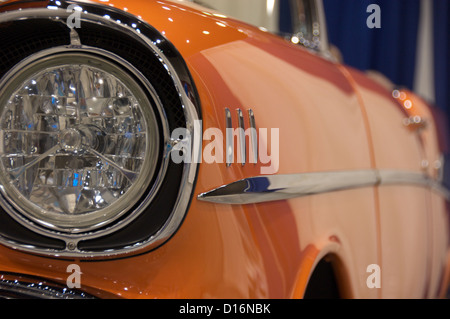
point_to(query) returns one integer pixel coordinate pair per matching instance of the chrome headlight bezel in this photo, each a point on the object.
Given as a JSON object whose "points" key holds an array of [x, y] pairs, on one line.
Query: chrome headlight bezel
{"points": [[165, 212]]}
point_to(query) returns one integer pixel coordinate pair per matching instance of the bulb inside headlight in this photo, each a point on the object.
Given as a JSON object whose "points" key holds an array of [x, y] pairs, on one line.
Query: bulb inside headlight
{"points": [[79, 141]]}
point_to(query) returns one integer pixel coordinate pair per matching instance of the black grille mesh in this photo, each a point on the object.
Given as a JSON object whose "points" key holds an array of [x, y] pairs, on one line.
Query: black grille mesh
{"points": [[20, 39]]}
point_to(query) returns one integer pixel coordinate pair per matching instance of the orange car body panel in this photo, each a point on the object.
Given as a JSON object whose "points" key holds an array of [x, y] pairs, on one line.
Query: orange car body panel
{"points": [[330, 118]]}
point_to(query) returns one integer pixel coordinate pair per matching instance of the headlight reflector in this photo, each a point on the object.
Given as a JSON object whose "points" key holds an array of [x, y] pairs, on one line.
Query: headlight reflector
{"points": [[79, 141]]}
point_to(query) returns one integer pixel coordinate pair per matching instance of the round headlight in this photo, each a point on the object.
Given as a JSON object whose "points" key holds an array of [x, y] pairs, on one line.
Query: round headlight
{"points": [[79, 141]]}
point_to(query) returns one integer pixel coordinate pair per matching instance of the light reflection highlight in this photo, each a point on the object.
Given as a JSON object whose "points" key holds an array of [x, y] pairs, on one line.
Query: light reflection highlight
{"points": [[270, 6]]}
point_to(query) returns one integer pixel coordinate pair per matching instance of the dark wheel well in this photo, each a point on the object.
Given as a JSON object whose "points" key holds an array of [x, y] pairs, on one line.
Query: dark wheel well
{"points": [[323, 283]]}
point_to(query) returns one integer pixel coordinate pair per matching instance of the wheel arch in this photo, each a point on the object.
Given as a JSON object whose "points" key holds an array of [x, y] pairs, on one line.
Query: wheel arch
{"points": [[322, 274]]}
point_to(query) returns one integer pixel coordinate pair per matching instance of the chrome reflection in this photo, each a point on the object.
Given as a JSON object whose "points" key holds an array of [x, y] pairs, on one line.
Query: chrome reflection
{"points": [[19, 287], [229, 137], [241, 132], [242, 144], [253, 137], [282, 187], [415, 123], [309, 26]]}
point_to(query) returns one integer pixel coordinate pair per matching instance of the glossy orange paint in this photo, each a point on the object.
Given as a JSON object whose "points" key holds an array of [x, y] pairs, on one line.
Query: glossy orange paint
{"points": [[330, 118], [402, 212]]}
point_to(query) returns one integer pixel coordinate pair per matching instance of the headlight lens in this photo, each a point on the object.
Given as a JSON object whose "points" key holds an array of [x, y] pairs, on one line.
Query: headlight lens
{"points": [[79, 142]]}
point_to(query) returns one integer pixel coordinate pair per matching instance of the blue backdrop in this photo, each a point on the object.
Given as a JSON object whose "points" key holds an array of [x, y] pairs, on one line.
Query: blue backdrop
{"points": [[392, 48], [442, 53]]}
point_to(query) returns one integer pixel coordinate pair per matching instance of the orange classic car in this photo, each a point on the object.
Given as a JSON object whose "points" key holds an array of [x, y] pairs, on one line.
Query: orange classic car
{"points": [[161, 149]]}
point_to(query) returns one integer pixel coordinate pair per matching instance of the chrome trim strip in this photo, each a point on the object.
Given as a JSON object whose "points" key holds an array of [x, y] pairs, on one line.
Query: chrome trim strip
{"points": [[74, 38], [282, 187], [253, 138], [242, 145], [319, 44], [324, 45], [241, 132], [229, 137]]}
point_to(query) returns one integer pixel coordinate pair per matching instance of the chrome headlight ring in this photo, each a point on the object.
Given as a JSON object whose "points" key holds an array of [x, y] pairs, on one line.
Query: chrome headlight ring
{"points": [[61, 196]]}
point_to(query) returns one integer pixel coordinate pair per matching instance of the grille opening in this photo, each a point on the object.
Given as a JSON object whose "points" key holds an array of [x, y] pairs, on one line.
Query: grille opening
{"points": [[20, 39], [20, 286]]}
